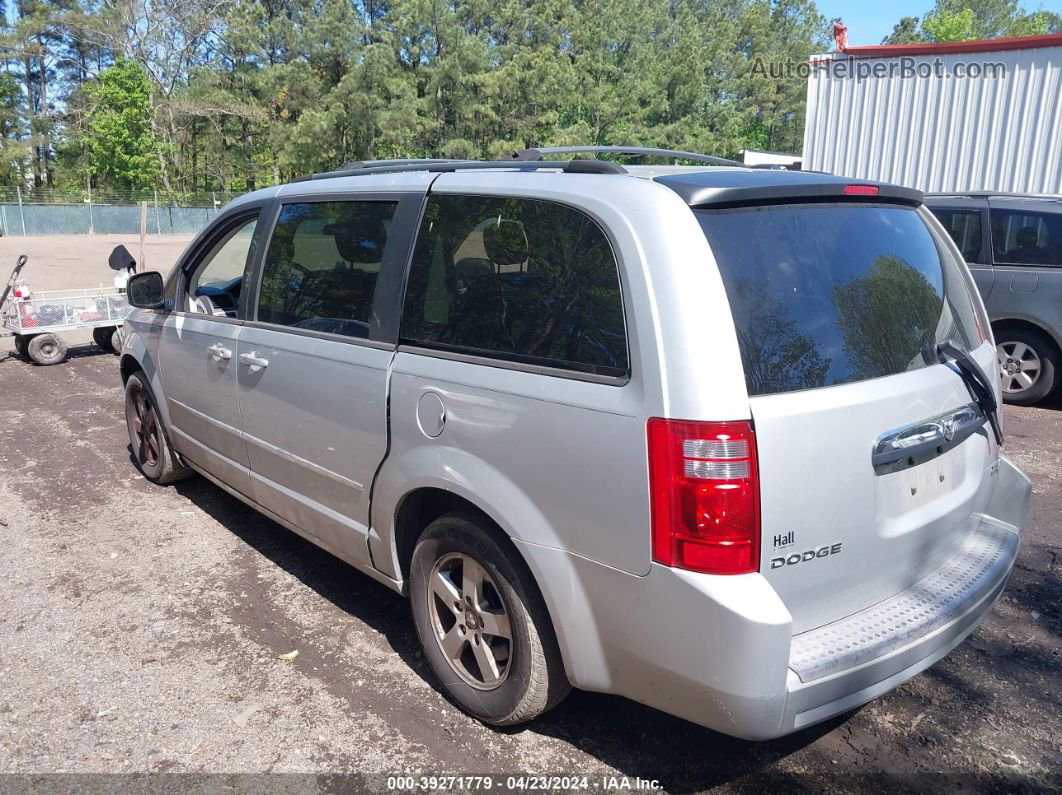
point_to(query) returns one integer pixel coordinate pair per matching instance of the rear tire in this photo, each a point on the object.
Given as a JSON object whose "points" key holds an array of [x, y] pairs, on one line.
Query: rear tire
{"points": [[104, 337], [502, 622], [46, 349], [147, 435], [1029, 365]]}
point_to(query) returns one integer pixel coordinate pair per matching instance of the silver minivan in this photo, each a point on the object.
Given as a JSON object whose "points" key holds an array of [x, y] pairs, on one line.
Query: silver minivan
{"points": [[1013, 246], [717, 439]]}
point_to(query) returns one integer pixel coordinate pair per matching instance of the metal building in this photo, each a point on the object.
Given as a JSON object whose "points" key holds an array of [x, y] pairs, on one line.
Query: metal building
{"points": [[957, 116]]}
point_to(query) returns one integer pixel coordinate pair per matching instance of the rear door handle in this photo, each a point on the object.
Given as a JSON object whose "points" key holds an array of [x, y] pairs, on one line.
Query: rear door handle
{"points": [[927, 438], [253, 360], [219, 352]]}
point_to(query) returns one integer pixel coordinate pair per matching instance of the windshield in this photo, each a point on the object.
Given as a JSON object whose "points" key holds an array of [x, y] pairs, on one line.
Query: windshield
{"points": [[826, 294]]}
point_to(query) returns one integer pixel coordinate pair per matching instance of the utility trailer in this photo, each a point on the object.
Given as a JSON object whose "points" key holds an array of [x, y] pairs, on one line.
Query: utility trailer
{"points": [[38, 319]]}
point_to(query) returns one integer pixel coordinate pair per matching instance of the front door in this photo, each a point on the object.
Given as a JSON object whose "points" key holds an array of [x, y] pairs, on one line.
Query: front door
{"points": [[313, 366], [197, 351]]}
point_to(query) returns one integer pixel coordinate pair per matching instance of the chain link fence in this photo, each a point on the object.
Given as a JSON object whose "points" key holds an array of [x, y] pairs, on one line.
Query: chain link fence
{"points": [[65, 212]]}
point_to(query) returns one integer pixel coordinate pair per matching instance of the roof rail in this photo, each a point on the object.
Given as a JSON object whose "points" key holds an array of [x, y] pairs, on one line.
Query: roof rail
{"points": [[353, 164], [440, 166], [988, 194], [352, 167], [537, 153]]}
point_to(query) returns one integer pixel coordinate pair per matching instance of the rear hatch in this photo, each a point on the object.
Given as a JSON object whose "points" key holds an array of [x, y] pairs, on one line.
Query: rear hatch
{"points": [[873, 456]]}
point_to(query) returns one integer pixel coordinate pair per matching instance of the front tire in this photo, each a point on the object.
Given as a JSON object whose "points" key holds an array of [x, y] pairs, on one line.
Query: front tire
{"points": [[147, 436], [482, 623], [1028, 364], [46, 349]]}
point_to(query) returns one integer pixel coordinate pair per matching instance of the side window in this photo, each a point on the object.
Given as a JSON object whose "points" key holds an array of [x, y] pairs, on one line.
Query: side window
{"points": [[321, 267], [215, 284], [1026, 238], [964, 226], [521, 279]]}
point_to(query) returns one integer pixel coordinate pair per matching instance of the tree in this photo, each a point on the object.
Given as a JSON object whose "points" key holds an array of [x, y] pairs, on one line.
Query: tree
{"points": [[122, 147], [784, 31], [945, 26], [905, 31], [13, 150], [965, 20], [988, 19], [244, 93], [33, 37]]}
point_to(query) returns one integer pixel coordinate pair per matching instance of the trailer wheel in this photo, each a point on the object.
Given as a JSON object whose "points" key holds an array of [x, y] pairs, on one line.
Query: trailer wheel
{"points": [[21, 343], [104, 337], [46, 349]]}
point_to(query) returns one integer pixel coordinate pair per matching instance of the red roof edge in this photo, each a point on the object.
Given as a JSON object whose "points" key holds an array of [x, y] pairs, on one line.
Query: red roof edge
{"points": [[952, 47]]}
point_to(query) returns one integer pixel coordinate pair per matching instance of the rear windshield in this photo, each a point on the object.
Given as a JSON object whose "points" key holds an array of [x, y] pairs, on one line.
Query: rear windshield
{"points": [[826, 294]]}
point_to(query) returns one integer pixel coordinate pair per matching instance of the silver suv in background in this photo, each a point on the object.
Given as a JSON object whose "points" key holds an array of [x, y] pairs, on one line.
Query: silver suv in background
{"points": [[716, 439], [1013, 246]]}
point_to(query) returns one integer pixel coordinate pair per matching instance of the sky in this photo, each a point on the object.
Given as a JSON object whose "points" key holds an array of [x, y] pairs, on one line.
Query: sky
{"points": [[869, 22]]}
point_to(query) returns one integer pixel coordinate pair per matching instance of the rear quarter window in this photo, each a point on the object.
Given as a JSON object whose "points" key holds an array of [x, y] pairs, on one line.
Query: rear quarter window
{"points": [[827, 294], [520, 280], [964, 226]]}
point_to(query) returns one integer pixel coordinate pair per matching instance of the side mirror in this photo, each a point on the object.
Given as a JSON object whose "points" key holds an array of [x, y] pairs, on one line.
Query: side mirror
{"points": [[145, 290]]}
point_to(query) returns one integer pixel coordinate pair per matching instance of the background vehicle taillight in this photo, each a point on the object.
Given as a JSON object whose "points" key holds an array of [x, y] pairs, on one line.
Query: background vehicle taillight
{"points": [[704, 495]]}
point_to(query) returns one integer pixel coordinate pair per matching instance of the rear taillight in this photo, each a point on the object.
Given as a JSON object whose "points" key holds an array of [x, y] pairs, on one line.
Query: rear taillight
{"points": [[860, 190], [704, 495]]}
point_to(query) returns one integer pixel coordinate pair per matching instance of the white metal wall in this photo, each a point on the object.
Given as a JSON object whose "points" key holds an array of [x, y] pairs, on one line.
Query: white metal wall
{"points": [[943, 133]]}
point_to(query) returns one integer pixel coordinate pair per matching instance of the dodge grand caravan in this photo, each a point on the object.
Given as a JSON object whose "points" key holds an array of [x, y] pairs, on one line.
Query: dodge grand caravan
{"points": [[719, 440]]}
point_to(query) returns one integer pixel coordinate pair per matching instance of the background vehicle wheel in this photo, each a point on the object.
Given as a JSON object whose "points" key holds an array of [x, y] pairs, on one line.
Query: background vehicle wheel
{"points": [[104, 337], [1028, 365], [21, 344], [46, 349], [116, 340], [482, 623], [147, 436]]}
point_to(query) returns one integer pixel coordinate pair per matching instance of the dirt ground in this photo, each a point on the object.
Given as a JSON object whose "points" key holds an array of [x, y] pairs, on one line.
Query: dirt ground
{"points": [[140, 629]]}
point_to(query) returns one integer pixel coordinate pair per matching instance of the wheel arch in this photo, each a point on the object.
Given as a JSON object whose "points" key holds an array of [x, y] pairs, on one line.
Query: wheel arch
{"points": [[128, 366], [137, 358], [427, 483], [1018, 322]]}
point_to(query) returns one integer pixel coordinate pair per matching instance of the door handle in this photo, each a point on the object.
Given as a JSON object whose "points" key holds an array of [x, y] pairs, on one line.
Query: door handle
{"points": [[926, 438], [253, 360], [218, 352]]}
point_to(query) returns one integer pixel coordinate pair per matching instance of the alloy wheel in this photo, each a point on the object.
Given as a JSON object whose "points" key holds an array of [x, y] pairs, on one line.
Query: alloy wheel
{"points": [[469, 621], [1019, 366], [145, 430]]}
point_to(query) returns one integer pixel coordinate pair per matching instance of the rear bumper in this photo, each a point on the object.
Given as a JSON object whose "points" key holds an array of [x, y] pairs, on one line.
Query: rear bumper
{"points": [[719, 651], [810, 702]]}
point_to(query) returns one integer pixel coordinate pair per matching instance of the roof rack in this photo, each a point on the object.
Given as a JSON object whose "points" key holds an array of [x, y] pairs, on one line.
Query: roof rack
{"points": [[537, 153], [439, 166]]}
